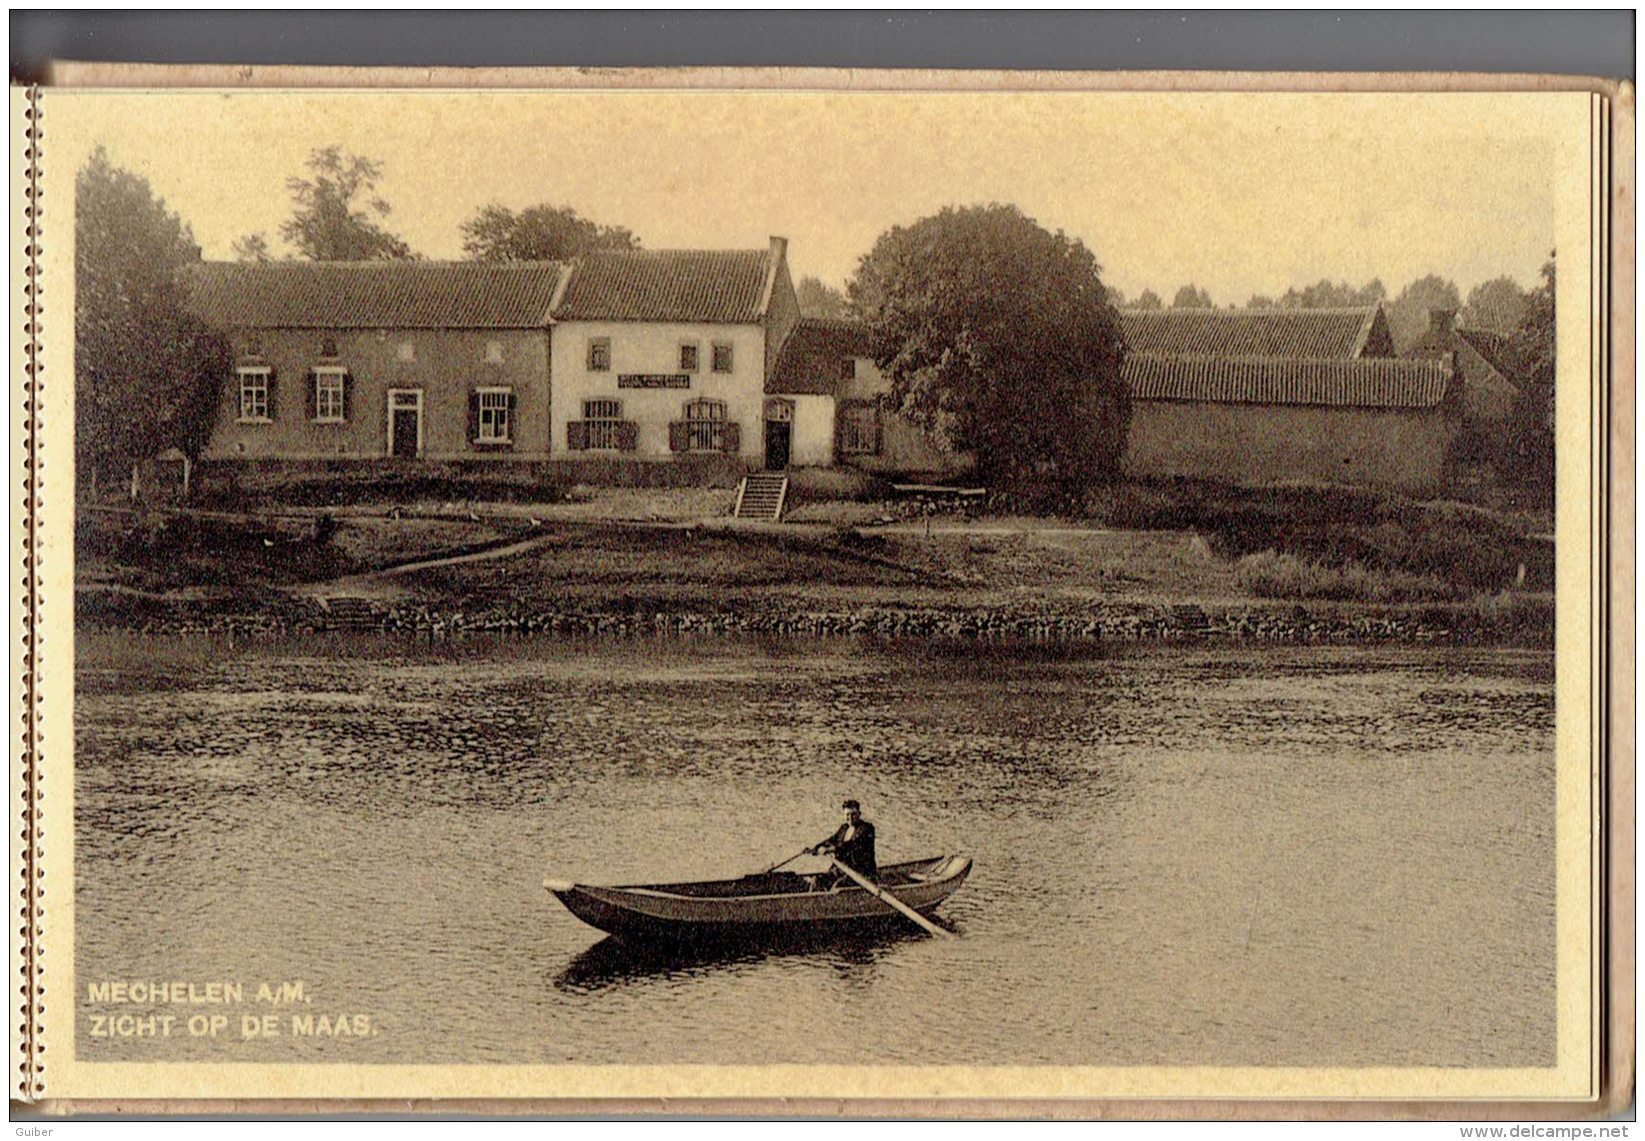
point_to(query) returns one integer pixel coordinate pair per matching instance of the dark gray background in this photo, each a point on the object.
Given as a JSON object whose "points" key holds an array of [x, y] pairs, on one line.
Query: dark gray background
{"points": [[1577, 43]]}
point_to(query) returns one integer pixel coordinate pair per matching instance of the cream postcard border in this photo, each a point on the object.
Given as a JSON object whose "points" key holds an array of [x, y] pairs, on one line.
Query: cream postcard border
{"points": [[1575, 120]]}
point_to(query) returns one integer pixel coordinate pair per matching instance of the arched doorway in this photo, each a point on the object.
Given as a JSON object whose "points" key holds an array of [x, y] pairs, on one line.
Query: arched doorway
{"points": [[779, 433]]}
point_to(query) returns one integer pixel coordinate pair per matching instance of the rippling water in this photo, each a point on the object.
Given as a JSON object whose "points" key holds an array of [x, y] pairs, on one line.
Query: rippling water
{"points": [[1229, 856]]}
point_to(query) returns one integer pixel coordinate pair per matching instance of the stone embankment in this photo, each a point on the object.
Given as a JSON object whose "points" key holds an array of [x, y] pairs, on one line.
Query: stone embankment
{"points": [[1509, 624]]}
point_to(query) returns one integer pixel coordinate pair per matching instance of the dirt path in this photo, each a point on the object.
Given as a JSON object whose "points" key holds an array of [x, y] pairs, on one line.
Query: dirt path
{"points": [[374, 584]]}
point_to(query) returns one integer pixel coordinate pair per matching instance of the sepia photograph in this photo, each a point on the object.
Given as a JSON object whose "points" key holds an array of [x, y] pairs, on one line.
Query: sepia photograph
{"points": [[801, 584]]}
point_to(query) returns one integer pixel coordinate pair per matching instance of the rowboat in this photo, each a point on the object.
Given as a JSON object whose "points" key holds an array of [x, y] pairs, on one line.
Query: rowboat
{"points": [[762, 905]]}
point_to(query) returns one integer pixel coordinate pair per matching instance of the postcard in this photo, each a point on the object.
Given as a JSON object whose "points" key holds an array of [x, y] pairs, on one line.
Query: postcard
{"points": [[823, 592]]}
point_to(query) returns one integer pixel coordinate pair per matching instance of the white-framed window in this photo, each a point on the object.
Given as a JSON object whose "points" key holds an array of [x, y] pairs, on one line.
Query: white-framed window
{"points": [[254, 404], [688, 356], [721, 358], [599, 354], [860, 428], [328, 394], [602, 419], [494, 406], [494, 352], [705, 425]]}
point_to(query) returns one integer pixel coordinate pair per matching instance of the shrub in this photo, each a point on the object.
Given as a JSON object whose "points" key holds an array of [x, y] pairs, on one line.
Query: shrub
{"points": [[1271, 574]]}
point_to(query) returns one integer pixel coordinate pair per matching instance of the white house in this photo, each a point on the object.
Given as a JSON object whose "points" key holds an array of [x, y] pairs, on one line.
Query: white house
{"points": [[662, 353]]}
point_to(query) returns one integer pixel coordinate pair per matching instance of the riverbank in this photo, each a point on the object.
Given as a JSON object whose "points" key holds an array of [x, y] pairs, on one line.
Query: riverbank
{"points": [[1515, 621], [647, 567]]}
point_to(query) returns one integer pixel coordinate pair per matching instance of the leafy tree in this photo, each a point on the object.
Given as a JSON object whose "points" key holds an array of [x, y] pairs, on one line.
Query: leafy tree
{"points": [[1326, 294], [252, 248], [336, 211], [819, 299], [1408, 313], [1260, 301], [538, 233], [146, 371], [1498, 305], [1147, 299], [1190, 297], [1530, 458], [999, 339]]}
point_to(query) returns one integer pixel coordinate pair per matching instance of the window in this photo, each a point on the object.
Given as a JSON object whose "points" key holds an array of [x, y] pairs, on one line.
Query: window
{"points": [[599, 354], [688, 358], [494, 404], [328, 395], [254, 402], [848, 369], [328, 347], [494, 352], [405, 351], [602, 419], [722, 358], [705, 425], [860, 428]]}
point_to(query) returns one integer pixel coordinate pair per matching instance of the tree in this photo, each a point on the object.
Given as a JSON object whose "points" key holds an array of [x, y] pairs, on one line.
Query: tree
{"points": [[819, 299], [1189, 297], [539, 233], [999, 339], [1408, 313], [146, 371], [1260, 301], [252, 248], [1530, 455], [1497, 305], [335, 211], [1326, 294], [1147, 299]]}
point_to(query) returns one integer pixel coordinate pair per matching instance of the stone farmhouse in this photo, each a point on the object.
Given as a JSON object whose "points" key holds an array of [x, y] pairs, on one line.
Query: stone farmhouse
{"points": [[659, 356]]}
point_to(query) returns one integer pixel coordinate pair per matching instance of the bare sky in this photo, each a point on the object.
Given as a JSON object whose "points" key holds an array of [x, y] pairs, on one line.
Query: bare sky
{"points": [[1236, 193]]}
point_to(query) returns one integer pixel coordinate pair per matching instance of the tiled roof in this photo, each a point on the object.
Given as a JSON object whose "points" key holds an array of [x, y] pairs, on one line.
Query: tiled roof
{"points": [[812, 358], [1494, 348], [376, 295], [1376, 383], [1315, 334], [724, 287], [1498, 351]]}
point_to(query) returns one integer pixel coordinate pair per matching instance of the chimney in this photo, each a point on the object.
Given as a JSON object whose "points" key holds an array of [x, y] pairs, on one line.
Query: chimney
{"points": [[779, 248], [1442, 321]]}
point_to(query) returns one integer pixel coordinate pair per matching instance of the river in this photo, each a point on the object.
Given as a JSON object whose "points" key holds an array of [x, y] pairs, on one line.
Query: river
{"points": [[1184, 856]]}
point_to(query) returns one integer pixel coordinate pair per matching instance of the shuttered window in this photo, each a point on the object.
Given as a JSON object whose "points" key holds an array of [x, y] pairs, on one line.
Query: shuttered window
{"points": [[705, 425], [604, 423]]}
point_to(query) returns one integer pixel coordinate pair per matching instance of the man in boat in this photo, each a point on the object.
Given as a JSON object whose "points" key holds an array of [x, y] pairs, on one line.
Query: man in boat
{"points": [[853, 844]]}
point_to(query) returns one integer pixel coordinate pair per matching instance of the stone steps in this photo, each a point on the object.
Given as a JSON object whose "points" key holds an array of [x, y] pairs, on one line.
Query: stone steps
{"points": [[762, 496]]}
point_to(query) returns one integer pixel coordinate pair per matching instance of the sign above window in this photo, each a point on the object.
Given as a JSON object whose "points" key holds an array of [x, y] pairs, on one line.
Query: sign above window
{"points": [[653, 380]]}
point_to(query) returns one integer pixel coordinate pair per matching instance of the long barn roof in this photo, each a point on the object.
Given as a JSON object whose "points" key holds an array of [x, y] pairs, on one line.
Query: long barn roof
{"points": [[1379, 383], [376, 295], [1307, 334]]}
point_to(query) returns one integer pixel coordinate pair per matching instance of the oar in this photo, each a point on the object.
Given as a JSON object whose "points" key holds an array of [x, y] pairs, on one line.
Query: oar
{"points": [[891, 900], [790, 860]]}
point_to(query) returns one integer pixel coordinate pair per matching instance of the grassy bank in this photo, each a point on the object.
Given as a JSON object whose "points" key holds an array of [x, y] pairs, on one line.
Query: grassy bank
{"points": [[1171, 559]]}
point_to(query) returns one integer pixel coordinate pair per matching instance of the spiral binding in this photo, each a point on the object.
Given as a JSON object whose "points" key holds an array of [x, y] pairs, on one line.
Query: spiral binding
{"points": [[32, 1078]]}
